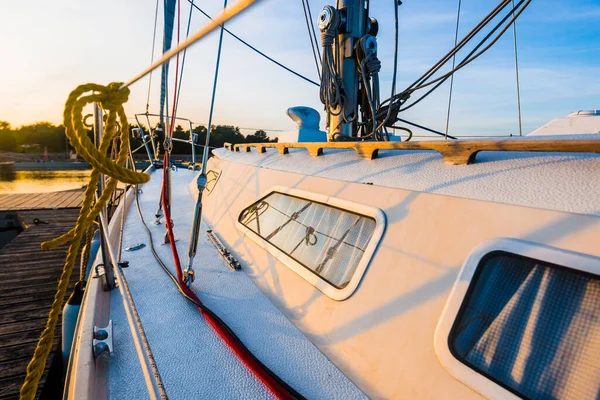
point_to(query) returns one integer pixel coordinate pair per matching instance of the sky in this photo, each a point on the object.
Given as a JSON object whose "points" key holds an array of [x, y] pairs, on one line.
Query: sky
{"points": [[48, 48]]}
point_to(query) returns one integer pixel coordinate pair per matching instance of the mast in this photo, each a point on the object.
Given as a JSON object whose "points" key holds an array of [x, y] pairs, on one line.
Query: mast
{"points": [[342, 29]]}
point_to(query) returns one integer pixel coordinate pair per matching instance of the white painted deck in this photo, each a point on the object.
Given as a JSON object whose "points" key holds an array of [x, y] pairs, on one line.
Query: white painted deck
{"points": [[191, 358]]}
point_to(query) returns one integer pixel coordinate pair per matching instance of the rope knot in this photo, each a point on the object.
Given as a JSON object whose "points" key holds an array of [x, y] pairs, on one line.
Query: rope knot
{"points": [[114, 97]]}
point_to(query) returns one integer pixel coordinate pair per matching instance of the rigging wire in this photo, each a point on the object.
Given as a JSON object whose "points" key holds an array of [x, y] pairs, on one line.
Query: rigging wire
{"points": [[169, 18], [396, 26], [453, 66], [422, 127], [236, 9], [310, 37], [177, 85], [517, 73], [314, 31], [255, 49], [214, 93], [152, 54], [471, 56], [425, 81], [187, 34], [239, 127], [491, 15], [164, 202], [465, 136], [201, 180]]}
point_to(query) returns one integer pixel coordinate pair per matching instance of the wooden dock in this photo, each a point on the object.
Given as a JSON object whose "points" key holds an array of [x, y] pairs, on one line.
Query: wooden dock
{"points": [[28, 280], [41, 201]]}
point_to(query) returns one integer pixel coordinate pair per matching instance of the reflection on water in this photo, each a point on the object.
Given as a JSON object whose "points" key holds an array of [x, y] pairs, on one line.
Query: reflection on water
{"points": [[41, 181]]}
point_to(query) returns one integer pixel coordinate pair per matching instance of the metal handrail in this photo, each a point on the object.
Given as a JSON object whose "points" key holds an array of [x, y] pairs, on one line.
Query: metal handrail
{"points": [[191, 141]]}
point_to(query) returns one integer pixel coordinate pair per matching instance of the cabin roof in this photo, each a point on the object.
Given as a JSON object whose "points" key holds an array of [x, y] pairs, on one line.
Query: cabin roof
{"points": [[557, 181]]}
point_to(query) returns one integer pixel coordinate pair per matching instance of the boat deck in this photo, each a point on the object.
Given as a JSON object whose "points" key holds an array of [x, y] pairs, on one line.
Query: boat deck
{"points": [[192, 360]]}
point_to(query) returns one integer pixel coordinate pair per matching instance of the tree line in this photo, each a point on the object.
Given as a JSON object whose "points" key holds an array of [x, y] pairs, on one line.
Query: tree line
{"points": [[33, 138], [44, 136]]}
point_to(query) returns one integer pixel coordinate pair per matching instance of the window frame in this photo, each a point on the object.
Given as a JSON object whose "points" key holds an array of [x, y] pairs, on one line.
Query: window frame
{"points": [[308, 274], [209, 180], [464, 286]]}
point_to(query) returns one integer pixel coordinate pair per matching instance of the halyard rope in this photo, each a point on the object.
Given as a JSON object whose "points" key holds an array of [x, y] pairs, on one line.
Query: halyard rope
{"points": [[111, 99]]}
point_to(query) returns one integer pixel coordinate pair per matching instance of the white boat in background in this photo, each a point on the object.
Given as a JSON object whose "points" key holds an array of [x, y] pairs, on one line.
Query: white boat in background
{"points": [[580, 122], [346, 264]]}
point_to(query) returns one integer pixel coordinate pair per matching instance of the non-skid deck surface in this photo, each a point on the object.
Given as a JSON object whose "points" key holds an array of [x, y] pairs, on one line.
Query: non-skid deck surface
{"points": [[193, 362], [28, 280]]}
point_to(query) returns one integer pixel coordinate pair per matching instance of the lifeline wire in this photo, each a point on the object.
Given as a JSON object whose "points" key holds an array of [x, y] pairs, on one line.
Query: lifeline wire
{"points": [[256, 50]]}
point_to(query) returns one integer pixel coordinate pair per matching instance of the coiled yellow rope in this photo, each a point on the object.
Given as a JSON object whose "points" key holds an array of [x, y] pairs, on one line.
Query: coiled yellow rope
{"points": [[86, 251], [112, 100]]}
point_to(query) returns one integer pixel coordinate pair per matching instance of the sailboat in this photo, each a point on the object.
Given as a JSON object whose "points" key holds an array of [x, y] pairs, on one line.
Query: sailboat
{"points": [[346, 263]]}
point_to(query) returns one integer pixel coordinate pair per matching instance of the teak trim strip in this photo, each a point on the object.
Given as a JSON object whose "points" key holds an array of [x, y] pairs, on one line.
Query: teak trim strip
{"points": [[454, 152]]}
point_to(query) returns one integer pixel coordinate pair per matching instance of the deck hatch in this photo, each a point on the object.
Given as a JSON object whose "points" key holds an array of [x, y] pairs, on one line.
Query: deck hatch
{"points": [[333, 243], [529, 325]]}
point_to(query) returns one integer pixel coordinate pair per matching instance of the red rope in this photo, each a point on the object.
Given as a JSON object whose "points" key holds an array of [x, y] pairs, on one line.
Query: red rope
{"points": [[242, 353]]}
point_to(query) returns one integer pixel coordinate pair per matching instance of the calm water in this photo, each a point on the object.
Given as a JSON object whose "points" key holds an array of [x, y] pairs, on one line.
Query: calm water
{"points": [[41, 181]]}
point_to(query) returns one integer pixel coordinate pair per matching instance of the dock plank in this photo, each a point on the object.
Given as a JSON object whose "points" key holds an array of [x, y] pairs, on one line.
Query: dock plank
{"points": [[38, 201]]}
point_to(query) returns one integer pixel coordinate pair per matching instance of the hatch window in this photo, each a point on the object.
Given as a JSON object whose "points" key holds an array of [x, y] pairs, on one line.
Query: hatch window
{"points": [[531, 326], [329, 242]]}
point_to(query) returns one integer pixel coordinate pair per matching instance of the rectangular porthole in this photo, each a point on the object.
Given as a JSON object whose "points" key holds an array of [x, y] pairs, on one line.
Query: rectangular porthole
{"points": [[527, 324], [326, 241]]}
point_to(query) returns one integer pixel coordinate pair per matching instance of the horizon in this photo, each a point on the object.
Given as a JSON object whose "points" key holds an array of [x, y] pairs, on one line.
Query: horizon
{"points": [[558, 58]]}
